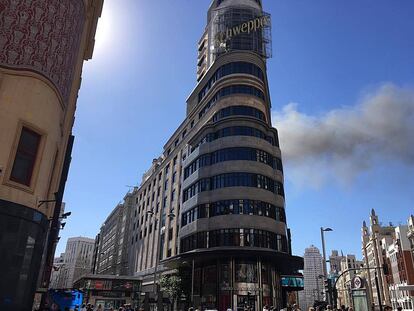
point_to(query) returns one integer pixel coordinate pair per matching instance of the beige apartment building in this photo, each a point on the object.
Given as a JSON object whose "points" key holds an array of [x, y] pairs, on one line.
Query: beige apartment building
{"points": [[387, 252], [374, 256], [112, 243], [43, 45], [349, 266]]}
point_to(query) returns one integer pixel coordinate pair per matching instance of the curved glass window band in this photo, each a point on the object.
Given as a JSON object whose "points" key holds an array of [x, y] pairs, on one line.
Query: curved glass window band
{"points": [[234, 237], [233, 207], [231, 90], [236, 131], [239, 111], [233, 154], [234, 180], [228, 69]]}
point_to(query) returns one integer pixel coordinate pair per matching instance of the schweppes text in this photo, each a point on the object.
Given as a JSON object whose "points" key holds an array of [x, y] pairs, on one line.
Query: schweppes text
{"points": [[247, 27]]}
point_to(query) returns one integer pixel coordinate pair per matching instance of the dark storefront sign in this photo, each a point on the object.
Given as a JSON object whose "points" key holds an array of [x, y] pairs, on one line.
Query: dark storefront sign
{"points": [[243, 288], [108, 294], [112, 285]]}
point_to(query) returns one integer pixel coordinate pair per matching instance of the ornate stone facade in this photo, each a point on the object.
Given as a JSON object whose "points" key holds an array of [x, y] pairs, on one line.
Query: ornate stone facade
{"points": [[42, 36]]}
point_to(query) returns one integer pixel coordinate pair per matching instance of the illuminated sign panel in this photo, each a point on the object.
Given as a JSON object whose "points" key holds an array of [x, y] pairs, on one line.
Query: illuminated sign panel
{"points": [[293, 282]]}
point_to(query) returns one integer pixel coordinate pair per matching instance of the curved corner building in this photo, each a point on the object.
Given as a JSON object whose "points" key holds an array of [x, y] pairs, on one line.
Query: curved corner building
{"points": [[43, 45], [233, 221], [223, 220]]}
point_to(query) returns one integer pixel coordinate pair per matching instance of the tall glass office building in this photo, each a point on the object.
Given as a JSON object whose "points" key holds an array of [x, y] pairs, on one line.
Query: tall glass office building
{"points": [[215, 201]]}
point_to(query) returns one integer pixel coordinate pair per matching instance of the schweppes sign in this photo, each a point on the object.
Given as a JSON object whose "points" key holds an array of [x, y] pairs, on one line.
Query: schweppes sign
{"points": [[248, 27]]}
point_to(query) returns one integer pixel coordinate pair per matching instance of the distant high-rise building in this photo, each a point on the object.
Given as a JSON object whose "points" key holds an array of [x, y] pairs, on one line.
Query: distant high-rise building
{"points": [[313, 278], [43, 45], [77, 260]]}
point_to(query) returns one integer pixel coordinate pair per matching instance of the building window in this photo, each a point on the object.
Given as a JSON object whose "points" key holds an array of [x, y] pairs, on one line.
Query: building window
{"points": [[174, 176], [25, 159], [231, 68], [233, 207], [231, 90], [176, 142], [235, 237], [233, 154], [236, 131], [246, 272], [192, 124], [234, 180], [239, 111], [184, 133]]}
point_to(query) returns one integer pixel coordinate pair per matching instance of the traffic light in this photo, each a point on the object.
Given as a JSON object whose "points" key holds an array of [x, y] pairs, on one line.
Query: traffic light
{"points": [[328, 290], [327, 285]]}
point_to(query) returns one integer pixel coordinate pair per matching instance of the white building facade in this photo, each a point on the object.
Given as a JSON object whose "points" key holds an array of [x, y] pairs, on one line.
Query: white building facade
{"points": [[77, 261], [313, 278]]}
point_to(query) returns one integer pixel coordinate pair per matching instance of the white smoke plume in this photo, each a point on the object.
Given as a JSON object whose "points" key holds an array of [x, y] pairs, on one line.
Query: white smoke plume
{"points": [[348, 141]]}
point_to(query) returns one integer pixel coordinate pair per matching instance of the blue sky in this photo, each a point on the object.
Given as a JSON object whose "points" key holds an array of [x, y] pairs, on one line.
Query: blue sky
{"points": [[329, 59]]}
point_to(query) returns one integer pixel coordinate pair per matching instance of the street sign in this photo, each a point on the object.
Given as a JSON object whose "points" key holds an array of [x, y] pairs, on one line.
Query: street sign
{"points": [[357, 283]]}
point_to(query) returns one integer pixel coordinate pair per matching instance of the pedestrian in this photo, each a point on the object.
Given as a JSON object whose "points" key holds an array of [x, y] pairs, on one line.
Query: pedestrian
{"points": [[311, 309], [399, 308], [266, 308], [329, 308]]}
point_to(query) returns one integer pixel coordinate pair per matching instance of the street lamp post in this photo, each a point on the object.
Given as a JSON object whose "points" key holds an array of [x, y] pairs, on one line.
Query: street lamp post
{"points": [[325, 272], [157, 261]]}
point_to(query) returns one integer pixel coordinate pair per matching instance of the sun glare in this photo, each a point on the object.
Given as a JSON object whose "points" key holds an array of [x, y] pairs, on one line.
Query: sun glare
{"points": [[104, 31]]}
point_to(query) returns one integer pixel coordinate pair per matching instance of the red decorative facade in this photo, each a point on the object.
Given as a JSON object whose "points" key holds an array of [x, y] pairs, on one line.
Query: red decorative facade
{"points": [[42, 36]]}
